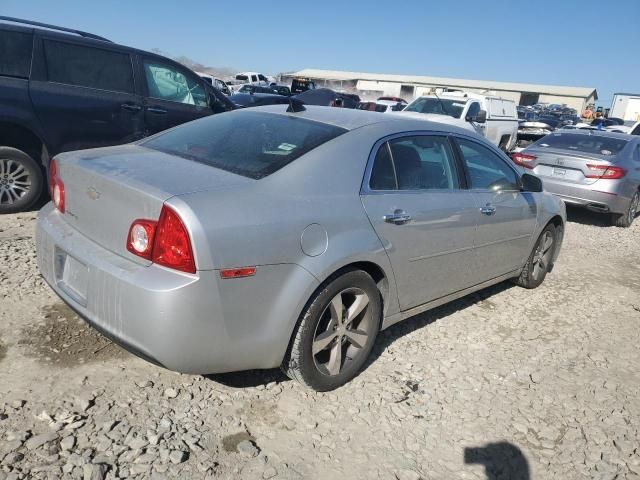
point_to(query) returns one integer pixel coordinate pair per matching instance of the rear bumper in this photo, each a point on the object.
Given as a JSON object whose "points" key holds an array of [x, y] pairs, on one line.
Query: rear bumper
{"points": [[588, 196], [188, 323]]}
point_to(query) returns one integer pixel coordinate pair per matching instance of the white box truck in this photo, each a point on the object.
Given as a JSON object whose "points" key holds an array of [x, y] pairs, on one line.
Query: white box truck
{"points": [[626, 106]]}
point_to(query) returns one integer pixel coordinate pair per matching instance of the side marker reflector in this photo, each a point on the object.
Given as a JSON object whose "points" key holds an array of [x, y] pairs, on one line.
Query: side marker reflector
{"points": [[237, 272]]}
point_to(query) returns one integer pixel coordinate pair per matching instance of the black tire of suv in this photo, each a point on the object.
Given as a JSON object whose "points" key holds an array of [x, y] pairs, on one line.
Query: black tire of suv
{"points": [[626, 219], [36, 177]]}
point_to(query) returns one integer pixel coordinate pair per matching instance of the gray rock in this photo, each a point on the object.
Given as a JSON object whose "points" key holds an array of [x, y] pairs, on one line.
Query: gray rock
{"points": [[407, 475], [145, 384], [92, 471], [247, 448], [39, 440], [22, 436], [178, 456], [139, 468], [67, 443], [17, 404], [170, 393], [269, 472], [12, 458]]}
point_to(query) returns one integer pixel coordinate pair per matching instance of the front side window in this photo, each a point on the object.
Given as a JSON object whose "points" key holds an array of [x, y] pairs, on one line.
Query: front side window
{"points": [[166, 82], [487, 171], [262, 78], [15, 53], [252, 144], [88, 67], [423, 162]]}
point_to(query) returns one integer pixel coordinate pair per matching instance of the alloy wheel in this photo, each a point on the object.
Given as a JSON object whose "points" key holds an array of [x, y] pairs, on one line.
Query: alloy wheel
{"points": [[542, 255], [15, 181], [342, 332]]}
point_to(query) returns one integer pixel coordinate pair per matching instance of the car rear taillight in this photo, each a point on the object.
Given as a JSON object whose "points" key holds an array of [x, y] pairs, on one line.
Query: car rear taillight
{"points": [[610, 172], [165, 242], [523, 159], [56, 186], [141, 236]]}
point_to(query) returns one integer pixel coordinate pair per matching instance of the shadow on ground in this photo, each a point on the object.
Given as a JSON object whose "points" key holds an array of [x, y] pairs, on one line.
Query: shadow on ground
{"points": [[586, 217], [501, 460]]}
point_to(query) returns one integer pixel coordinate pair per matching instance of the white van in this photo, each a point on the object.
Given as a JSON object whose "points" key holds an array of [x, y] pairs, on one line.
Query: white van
{"points": [[493, 117]]}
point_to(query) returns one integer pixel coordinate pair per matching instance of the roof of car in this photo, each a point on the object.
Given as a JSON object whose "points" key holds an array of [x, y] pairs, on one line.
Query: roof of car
{"points": [[589, 131], [351, 119]]}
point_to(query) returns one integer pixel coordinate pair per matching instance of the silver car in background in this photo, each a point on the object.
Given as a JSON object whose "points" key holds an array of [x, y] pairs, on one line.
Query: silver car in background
{"points": [[287, 236], [589, 168]]}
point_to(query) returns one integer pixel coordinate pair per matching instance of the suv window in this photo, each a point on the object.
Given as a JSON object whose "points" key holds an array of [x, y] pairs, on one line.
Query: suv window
{"points": [[254, 78], [262, 77], [88, 66], [252, 144], [487, 171], [15, 53], [423, 162], [166, 82]]}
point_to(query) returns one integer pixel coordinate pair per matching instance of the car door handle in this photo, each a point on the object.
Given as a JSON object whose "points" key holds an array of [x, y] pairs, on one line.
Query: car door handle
{"points": [[131, 107], [488, 209], [398, 217], [156, 110]]}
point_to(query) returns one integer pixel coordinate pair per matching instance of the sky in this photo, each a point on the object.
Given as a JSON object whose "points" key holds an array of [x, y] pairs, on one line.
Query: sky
{"points": [[584, 43]]}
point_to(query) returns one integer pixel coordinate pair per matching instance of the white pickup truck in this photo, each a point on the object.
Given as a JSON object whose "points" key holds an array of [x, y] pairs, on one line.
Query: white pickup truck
{"points": [[492, 117]]}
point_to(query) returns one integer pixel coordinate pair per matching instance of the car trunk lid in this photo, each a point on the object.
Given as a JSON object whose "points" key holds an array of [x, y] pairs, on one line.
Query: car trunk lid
{"points": [[107, 189], [567, 166]]}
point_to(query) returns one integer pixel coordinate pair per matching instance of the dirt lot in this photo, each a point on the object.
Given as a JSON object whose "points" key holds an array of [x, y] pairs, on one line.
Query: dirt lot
{"points": [[506, 384]]}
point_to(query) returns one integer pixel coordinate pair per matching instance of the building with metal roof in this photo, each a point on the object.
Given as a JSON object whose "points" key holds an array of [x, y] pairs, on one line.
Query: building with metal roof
{"points": [[369, 85]]}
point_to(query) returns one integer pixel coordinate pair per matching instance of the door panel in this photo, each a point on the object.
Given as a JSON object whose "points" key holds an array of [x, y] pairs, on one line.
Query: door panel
{"points": [[174, 96], [85, 97], [506, 216], [431, 253]]}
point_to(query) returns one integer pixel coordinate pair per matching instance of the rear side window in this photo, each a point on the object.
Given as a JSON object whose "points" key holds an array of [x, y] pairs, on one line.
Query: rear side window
{"points": [[15, 53], [593, 144], [88, 67], [252, 144]]}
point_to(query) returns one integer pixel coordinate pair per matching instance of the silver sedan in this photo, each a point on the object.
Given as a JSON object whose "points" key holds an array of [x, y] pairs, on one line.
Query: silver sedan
{"points": [[284, 236], [593, 169]]}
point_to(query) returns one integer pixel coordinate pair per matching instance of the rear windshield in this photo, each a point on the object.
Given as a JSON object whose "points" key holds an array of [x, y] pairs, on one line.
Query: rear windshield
{"points": [[594, 144], [252, 144]]}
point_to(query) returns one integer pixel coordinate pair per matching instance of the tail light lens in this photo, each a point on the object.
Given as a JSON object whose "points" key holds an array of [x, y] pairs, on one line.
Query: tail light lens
{"points": [[141, 236], [56, 186], [172, 245], [165, 242], [523, 159], [610, 172]]}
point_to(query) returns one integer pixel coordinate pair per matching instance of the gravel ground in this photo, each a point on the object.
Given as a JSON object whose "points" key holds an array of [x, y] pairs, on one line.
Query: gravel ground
{"points": [[506, 384]]}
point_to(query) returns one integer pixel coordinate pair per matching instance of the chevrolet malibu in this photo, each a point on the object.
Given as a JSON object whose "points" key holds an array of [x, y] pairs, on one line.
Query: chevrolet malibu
{"points": [[285, 236]]}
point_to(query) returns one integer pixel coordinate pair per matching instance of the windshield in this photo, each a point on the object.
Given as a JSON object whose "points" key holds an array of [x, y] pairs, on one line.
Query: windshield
{"points": [[441, 106], [252, 144], [593, 144]]}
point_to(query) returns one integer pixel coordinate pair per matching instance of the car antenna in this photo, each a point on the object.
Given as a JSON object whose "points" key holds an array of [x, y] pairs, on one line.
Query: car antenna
{"points": [[295, 106]]}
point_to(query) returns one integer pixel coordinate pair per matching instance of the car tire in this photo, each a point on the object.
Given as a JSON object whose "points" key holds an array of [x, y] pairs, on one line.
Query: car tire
{"points": [[336, 332], [21, 180], [537, 266], [626, 219]]}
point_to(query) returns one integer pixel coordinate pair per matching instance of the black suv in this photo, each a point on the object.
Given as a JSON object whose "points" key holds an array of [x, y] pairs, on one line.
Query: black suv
{"points": [[63, 89]]}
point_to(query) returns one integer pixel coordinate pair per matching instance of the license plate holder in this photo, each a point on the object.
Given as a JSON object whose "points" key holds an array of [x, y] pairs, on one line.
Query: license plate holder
{"points": [[559, 172], [72, 276]]}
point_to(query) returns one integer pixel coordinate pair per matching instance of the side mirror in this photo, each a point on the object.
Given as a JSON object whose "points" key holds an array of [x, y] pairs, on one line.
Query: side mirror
{"points": [[530, 183], [481, 117]]}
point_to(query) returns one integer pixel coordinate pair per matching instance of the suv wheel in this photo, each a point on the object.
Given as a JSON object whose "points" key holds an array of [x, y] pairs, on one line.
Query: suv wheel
{"points": [[626, 219], [21, 180], [336, 332]]}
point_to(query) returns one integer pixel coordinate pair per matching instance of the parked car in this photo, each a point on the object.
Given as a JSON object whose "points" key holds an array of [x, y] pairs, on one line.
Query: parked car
{"points": [[215, 82], [328, 98], [63, 89], [382, 106], [245, 240], [281, 90], [593, 169], [248, 78], [299, 85], [493, 117], [255, 89], [257, 99]]}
